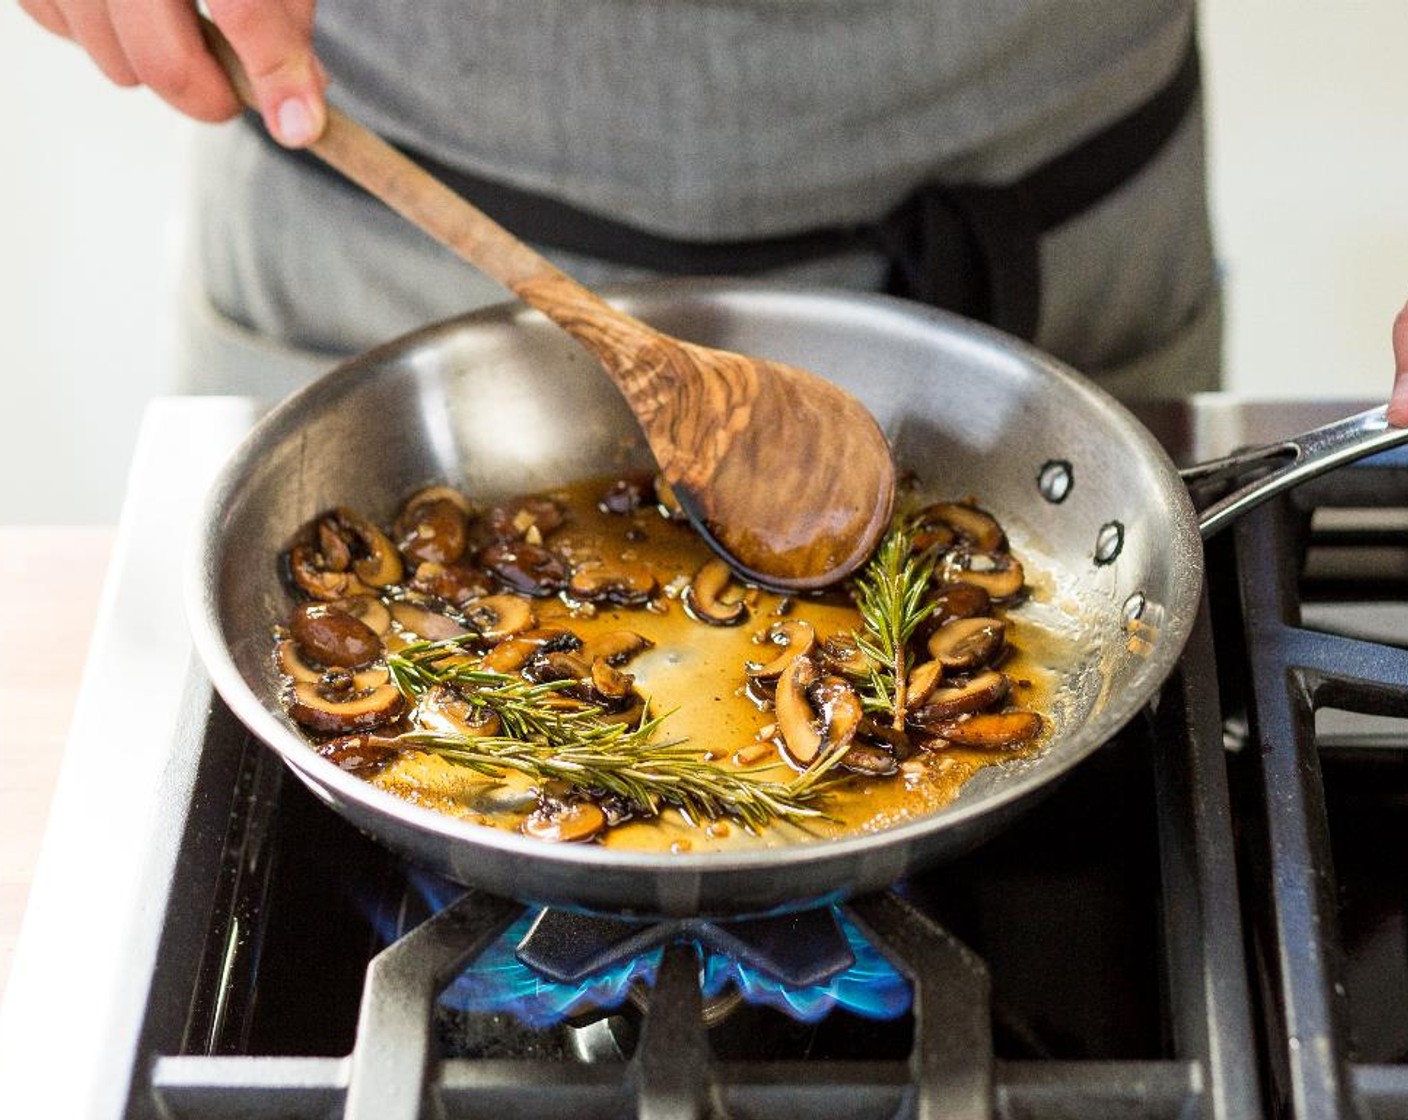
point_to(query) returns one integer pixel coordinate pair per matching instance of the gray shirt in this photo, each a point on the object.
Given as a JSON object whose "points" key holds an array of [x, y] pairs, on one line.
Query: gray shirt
{"points": [[725, 119]]}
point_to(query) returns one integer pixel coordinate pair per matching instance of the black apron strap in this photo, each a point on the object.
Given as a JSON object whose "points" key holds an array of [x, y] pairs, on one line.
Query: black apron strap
{"points": [[967, 248]]}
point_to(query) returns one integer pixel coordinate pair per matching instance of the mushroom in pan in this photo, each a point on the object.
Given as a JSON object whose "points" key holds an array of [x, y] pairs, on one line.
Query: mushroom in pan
{"points": [[433, 526], [334, 705], [623, 582], [967, 523], [815, 714], [795, 636], [984, 690], [500, 616], [990, 730], [704, 597], [524, 567], [967, 643], [333, 636], [999, 574], [528, 519]]}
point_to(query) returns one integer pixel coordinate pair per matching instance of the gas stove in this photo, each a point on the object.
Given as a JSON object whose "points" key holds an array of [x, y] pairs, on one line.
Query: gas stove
{"points": [[1208, 917]]}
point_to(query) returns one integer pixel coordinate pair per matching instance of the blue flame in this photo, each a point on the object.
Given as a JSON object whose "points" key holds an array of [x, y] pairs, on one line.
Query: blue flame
{"points": [[498, 981]]}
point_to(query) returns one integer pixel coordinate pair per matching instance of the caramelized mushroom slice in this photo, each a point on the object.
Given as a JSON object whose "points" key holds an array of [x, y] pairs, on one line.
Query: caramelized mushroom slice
{"points": [[312, 574], [703, 598], [609, 685], [959, 600], [457, 582], [432, 529], [362, 751], [999, 574], [527, 568], [615, 647], [292, 665], [447, 706], [424, 623], [841, 653], [511, 654], [796, 636], [528, 519], [923, 680], [863, 758], [967, 643], [625, 583], [814, 715], [379, 564], [975, 694], [575, 821], [369, 609], [331, 636], [991, 730], [970, 523], [359, 711], [500, 616]]}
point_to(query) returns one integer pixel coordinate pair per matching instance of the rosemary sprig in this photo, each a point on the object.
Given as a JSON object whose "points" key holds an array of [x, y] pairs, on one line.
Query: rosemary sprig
{"points": [[551, 737], [891, 597]]}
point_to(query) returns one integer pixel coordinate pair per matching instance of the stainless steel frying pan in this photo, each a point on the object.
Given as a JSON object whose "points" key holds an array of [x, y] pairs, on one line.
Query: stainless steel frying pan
{"points": [[500, 401]]}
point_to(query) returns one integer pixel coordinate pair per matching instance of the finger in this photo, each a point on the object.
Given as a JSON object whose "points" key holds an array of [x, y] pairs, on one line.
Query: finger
{"points": [[274, 43], [164, 46], [1398, 401], [48, 16], [90, 26]]}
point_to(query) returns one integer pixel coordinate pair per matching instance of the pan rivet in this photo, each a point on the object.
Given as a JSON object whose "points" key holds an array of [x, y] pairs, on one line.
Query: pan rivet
{"points": [[1055, 480], [1134, 607], [1109, 543]]}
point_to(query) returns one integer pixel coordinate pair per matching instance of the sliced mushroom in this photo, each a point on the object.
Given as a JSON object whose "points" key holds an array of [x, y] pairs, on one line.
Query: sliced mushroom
{"points": [[841, 653], [359, 711], [959, 600], [814, 714], [875, 762], [500, 616], [991, 730], [511, 654], [526, 568], [922, 681], [311, 572], [970, 523], [966, 643], [796, 637], [615, 647], [378, 564], [369, 609], [331, 636], [703, 598], [362, 751], [999, 574], [531, 518], [432, 529], [424, 623], [575, 821], [975, 694], [623, 582], [457, 582], [611, 687], [292, 665], [472, 720]]}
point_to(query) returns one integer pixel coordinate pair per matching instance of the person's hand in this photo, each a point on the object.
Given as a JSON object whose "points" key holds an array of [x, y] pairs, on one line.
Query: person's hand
{"points": [[1398, 401], [158, 43]]}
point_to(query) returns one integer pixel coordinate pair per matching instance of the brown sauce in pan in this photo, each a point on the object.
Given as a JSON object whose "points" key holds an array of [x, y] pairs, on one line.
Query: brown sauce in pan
{"points": [[693, 675]]}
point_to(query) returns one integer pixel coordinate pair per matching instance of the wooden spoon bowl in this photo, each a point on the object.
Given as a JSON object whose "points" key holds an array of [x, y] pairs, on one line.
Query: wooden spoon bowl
{"points": [[786, 475]]}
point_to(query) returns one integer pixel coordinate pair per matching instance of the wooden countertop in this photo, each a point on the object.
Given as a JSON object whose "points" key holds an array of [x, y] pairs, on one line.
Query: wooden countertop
{"points": [[50, 583]]}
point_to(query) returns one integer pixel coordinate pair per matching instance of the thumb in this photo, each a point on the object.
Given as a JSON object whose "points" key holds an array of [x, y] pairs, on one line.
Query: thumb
{"points": [[285, 81]]}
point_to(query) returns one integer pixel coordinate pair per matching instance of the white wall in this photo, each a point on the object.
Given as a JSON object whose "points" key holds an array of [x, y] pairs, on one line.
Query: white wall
{"points": [[1309, 131]]}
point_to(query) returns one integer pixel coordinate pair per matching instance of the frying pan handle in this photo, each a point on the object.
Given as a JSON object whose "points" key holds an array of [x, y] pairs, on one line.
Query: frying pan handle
{"points": [[1279, 466]]}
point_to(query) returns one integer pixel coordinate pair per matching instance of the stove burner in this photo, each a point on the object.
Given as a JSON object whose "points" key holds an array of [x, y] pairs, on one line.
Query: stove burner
{"points": [[551, 966]]}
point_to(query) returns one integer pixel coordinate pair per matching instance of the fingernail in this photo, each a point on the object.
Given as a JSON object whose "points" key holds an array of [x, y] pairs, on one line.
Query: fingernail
{"points": [[296, 123]]}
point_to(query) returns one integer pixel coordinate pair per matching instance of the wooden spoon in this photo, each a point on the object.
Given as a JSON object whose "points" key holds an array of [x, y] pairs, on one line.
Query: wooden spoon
{"points": [[784, 474]]}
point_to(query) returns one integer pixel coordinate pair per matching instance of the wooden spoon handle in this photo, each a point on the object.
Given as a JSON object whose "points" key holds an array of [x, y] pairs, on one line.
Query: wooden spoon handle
{"points": [[427, 203]]}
